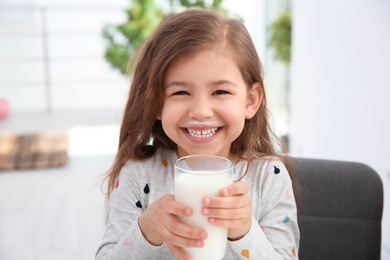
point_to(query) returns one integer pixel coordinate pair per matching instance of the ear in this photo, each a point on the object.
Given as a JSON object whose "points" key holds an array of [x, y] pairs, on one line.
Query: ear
{"points": [[254, 99], [159, 116]]}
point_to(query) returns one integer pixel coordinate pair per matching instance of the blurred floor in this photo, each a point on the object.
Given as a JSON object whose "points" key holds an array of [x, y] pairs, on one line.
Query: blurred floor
{"points": [[54, 213], [58, 213]]}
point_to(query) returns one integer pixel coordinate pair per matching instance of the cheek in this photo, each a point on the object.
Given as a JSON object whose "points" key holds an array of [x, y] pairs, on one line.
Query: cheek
{"points": [[168, 110], [236, 109], [234, 117], [168, 118]]}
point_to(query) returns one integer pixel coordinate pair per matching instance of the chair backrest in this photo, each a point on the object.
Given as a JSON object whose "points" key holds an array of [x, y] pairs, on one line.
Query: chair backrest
{"points": [[340, 212]]}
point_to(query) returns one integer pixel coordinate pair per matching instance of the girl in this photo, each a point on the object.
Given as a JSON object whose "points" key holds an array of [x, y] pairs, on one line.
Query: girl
{"points": [[198, 89]]}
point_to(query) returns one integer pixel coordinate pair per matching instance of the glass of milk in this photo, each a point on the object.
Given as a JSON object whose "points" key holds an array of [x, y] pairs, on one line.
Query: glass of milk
{"points": [[197, 176]]}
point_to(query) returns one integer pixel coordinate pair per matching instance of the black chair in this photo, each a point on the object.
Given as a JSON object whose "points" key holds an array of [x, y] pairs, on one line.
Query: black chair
{"points": [[340, 212]]}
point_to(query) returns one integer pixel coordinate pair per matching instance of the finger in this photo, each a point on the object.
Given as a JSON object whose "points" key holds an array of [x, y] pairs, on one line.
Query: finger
{"points": [[237, 188], [234, 202], [178, 228], [227, 223], [169, 205], [180, 241], [232, 214]]}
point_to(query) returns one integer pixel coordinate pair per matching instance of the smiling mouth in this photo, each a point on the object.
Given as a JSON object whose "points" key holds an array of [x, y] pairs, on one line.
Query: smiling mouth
{"points": [[202, 133]]}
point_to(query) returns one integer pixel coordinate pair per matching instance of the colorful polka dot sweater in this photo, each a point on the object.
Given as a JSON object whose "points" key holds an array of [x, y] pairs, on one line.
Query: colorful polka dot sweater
{"points": [[274, 233]]}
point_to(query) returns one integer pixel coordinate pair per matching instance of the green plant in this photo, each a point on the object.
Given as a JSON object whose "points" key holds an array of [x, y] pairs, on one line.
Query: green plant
{"points": [[143, 16], [280, 38]]}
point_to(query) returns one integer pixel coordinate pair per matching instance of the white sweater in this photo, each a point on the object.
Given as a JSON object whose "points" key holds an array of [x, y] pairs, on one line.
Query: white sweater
{"points": [[274, 233]]}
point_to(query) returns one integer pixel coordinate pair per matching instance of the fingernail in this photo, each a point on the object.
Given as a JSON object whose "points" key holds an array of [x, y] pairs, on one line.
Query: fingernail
{"points": [[207, 201], [188, 212], [226, 191], [205, 211], [199, 243]]}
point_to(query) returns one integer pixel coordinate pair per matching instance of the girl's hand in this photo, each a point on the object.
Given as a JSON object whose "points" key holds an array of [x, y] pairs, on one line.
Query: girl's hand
{"points": [[160, 223], [231, 210]]}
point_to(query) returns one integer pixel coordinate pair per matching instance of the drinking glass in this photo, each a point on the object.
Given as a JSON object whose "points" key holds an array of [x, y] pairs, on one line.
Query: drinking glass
{"points": [[197, 176]]}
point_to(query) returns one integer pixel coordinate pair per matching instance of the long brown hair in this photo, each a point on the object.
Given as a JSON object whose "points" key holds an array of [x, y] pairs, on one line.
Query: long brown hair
{"points": [[181, 35]]}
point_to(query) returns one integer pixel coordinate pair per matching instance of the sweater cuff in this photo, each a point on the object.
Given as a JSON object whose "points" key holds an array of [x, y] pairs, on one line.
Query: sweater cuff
{"points": [[135, 233]]}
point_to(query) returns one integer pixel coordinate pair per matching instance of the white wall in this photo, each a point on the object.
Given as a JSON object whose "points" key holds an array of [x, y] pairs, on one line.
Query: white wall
{"points": [[341, 85], [70, 72]]}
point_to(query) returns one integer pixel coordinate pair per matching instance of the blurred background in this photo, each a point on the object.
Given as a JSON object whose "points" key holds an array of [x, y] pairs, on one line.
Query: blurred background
{"points": [[62, 70]]}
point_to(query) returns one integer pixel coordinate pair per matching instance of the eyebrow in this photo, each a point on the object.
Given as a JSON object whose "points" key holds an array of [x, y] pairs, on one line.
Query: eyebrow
{"points": [[177, 83], [221, 82], [212, 84]]}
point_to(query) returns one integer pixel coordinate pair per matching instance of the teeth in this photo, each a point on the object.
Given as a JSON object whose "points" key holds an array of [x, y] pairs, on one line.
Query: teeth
{"points": [[202, 134]]}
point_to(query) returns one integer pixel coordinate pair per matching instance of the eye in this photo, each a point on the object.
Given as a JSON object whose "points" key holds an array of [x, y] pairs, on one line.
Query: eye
{"points": [[181, 92], [220, 92]]}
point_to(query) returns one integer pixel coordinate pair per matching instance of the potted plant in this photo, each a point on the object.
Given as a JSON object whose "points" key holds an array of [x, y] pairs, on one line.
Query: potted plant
{"points": [[280, 38], [143, 16], [280, 42]]}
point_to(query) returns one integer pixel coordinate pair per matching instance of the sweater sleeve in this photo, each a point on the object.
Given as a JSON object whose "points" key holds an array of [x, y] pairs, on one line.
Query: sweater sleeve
{"points": [[274, 233], [123, 238]]}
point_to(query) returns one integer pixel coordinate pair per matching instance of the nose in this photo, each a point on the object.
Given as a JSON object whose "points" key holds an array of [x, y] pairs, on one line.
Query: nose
{"points": [[200, 108]]}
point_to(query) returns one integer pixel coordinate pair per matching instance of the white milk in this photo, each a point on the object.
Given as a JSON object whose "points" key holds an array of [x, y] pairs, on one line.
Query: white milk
{"points": [[190, 189]]}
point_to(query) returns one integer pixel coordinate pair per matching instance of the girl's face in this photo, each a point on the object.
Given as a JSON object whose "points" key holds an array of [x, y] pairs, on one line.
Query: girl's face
{"points": [[206, 102]]}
